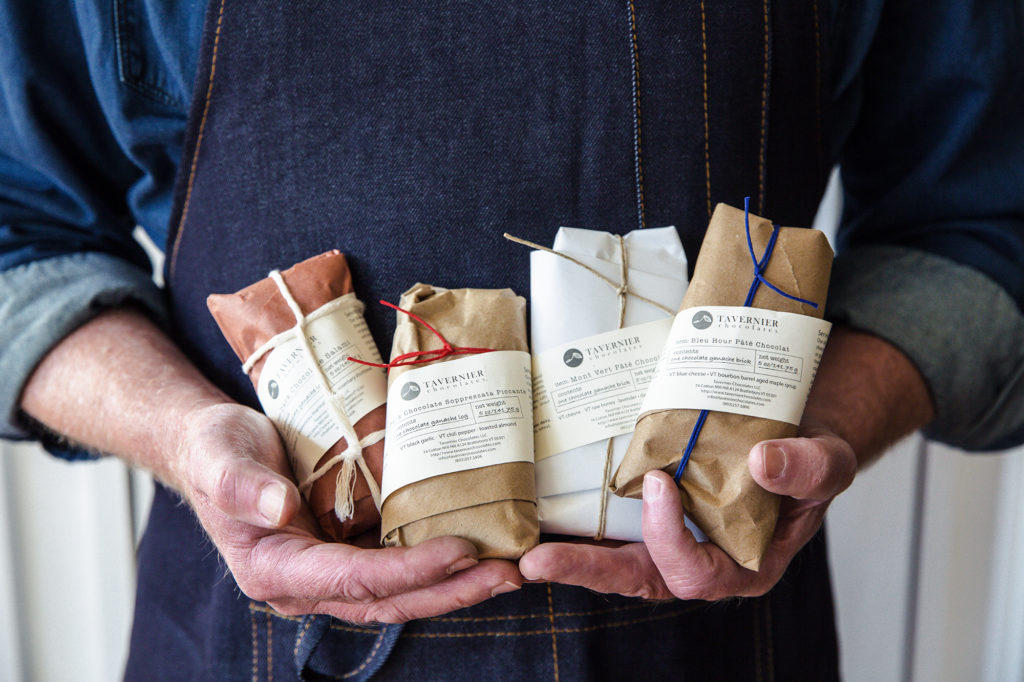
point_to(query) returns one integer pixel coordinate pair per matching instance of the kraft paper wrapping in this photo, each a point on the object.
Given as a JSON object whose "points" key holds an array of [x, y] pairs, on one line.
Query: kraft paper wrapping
{"points": [[257, 313], [717, 490], [493, 507]]}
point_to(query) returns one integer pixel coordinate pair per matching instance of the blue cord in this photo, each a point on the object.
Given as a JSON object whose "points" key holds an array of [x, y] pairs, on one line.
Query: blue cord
{"points": [[759, 279]]}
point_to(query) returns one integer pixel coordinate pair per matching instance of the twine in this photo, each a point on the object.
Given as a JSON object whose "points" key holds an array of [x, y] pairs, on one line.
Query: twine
{"points": [[622, 291], [344, 505], [759, 279], [421, 357]]}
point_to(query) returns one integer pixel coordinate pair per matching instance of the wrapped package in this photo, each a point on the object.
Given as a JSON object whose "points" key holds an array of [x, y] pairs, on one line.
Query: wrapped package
{"points": [[294, 331], [592, 283], [747, 376], [459, 458]]}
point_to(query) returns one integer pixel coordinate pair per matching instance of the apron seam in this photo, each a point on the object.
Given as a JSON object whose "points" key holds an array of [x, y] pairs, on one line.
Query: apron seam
{"points": [[819, 142], [707, 118], [270, 648], [526, 616], [255, 646], [370, 657], [548, 630], [762, 160], [199, 143], [554, 637], [638, 149]]}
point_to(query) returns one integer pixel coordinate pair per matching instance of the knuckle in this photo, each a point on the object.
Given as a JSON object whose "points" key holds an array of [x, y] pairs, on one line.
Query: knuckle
{"points": [[350, 588], [225, 489], [392, 613]]}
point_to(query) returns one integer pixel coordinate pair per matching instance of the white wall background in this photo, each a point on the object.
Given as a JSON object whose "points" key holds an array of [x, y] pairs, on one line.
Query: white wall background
{"points": [[927, 549]]}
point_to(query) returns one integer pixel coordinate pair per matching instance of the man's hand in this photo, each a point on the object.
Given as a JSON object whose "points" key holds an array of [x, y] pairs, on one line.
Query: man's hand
{"points": [[232, 473], [118, 385], [866, 396], [809, 471]]}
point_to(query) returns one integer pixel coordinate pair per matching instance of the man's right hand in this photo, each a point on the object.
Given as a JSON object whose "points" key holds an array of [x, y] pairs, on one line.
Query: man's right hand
{"points": [[118, 385]]}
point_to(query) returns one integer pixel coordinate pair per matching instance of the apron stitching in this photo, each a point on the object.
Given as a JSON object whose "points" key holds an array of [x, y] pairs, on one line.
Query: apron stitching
{"points": [[769, 637], [255, 646], [270, 648], [302, 636], [707, 124], [369, 659], [817, 87], [638, 150], [758, 667], [554, 637], [479, 619], [545, 631], [558, 614], [199, 143], [764, 114]]}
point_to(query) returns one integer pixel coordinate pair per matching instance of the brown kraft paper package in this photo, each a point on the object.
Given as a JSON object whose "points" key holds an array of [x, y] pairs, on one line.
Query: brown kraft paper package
{"points": [[717, 490], [257, 313], [494, 507]]}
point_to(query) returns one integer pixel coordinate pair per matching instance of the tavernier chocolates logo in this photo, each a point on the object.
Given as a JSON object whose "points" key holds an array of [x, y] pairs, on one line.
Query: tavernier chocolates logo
{"points": [[412, 390], [702, 319], [574, 357]]}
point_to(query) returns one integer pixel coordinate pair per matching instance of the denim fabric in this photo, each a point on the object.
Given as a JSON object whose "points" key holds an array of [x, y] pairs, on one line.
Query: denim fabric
{"points": [[192, 623], [922, 111], [411, 139]]}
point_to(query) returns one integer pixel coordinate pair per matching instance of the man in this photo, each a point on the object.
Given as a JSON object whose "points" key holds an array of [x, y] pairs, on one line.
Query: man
{"points": [[405, 137]]}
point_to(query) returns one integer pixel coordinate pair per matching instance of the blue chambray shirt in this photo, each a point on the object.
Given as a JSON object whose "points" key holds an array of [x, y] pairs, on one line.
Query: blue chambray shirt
{"points": [[927, 126]]}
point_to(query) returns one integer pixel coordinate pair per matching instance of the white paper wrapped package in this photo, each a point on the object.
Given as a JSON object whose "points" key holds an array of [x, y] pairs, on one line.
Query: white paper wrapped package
{"points": [[570, 305]]}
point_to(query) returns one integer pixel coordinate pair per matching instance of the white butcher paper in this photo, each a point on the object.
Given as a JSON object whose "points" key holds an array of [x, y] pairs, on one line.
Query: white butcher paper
{"points": [[568, 303]]}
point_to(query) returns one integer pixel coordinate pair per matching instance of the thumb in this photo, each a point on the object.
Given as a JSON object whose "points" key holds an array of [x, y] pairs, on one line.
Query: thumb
{"points": [[222, 468], [248, 491], [817, 468]]}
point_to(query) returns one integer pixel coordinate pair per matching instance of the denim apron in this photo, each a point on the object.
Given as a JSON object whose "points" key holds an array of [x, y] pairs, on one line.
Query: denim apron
{"points": [[410, 136]]}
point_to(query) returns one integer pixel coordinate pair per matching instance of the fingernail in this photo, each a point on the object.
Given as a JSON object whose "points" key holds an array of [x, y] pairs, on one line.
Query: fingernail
{"points": [[504, 587], [654, 488], [271, 502], [462, 564], [773, 460]]}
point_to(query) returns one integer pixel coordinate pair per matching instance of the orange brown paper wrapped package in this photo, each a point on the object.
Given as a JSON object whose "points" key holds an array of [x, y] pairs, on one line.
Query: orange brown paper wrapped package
{"points": [[494, 507], [255, 315], [717, 490]]}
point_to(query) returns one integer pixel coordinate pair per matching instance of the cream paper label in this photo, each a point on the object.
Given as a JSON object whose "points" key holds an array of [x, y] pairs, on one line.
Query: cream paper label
{"points": [[746, 361], [292, 394], [591, 389], [452, 416]]}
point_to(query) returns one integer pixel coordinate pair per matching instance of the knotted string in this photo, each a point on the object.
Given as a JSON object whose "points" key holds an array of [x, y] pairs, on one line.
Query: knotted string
{"points": [[344, 505], [621, 290], [422, 357], [759, 279]]}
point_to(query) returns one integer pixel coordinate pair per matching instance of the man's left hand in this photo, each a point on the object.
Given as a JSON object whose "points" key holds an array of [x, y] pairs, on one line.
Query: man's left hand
{"points": [[809, 471]]}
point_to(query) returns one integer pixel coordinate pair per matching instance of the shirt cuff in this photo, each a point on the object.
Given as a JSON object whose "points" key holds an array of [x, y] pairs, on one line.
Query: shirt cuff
{"points": [[42, 302], [960, 328]]}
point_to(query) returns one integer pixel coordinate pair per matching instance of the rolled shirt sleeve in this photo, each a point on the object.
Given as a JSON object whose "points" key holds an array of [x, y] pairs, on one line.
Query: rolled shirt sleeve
{"points": [[43, 301], [961, 329], [931, 243]]}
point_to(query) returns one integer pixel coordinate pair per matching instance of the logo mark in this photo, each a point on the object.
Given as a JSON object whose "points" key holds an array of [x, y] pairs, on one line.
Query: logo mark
{"points": [[410, 390], [274, 389], [573, 357], [702, 319]]}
